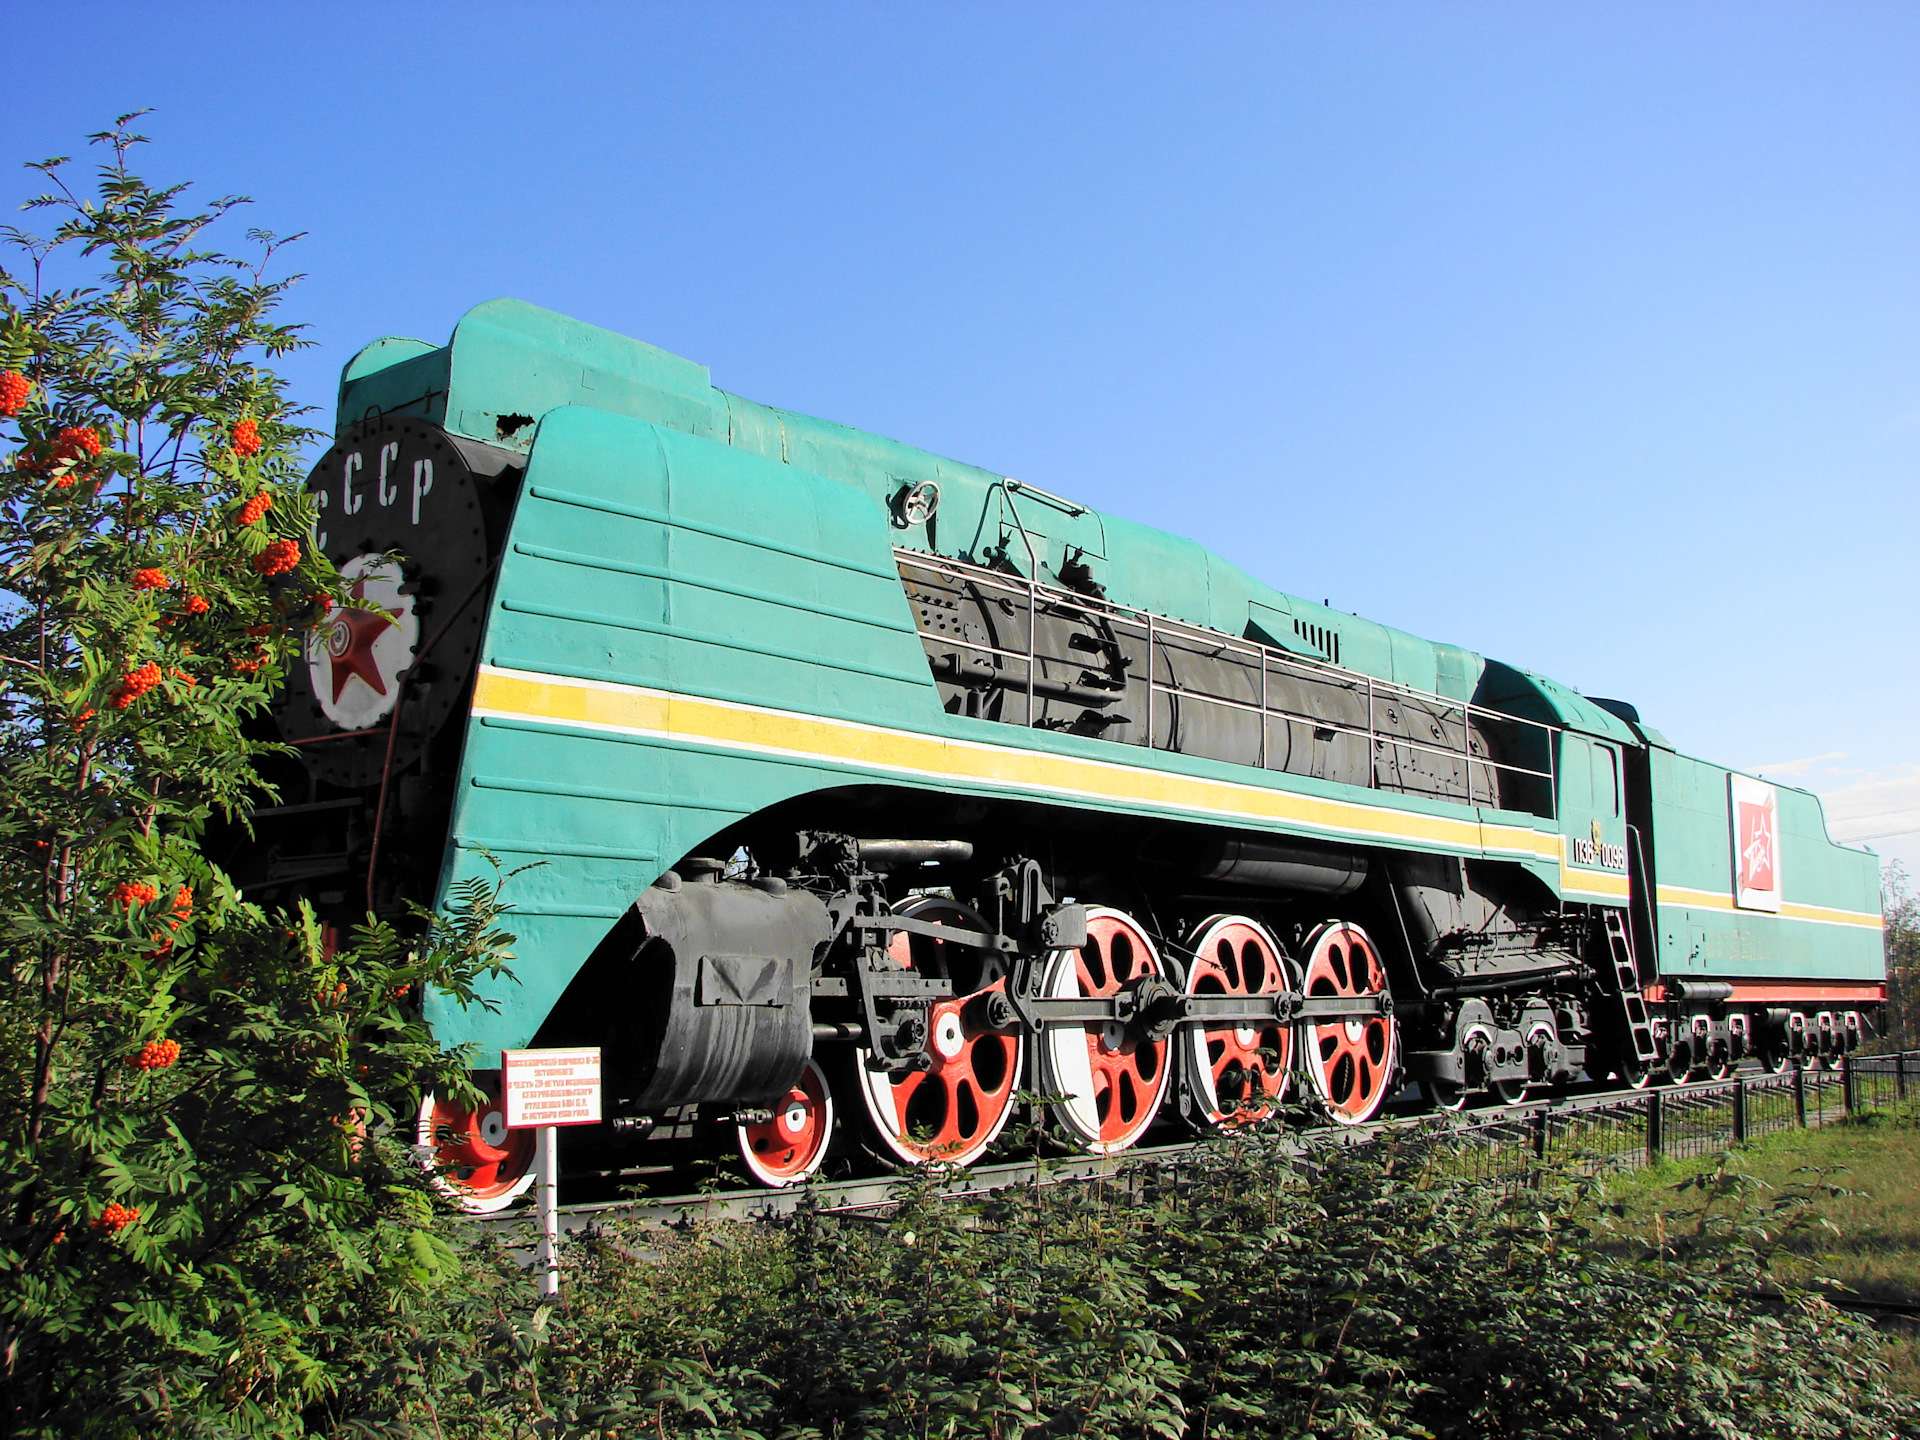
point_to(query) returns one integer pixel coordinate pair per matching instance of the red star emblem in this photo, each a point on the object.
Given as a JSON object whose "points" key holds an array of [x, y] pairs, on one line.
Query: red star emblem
{"points": [[350, 643]]}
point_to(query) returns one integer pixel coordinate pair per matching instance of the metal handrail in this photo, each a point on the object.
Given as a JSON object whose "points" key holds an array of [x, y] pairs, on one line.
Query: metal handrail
{"points": [[1307, 664], [1156, 626], [1279, 712]]}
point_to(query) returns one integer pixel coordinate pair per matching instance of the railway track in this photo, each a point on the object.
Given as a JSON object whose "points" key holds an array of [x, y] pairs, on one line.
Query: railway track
{"points": [[1527, 1127]]}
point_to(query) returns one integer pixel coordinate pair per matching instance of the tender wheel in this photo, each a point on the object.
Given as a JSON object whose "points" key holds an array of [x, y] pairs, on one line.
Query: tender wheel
{"points": [[1238, 1073], [1507, 1092], [1444, 1095], [790, 1147], [956, 1107], [477, 1162], [1113, 1078], [1351, 1062], [1679, 1063]]}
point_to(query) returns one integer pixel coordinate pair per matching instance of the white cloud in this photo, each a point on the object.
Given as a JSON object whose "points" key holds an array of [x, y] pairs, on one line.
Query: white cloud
{"points": [[1881, 811], [1781, 769]]}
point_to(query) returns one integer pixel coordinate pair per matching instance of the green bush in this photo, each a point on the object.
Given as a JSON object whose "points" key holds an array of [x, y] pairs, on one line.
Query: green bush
{"points": [[1377, 1299], [204, 1200]]}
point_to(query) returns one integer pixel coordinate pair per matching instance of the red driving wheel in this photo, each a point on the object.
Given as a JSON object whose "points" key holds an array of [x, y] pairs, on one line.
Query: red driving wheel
{"points": [[1351, 1061], [1111, 1077], [956, 1106], [1237, 1071]]}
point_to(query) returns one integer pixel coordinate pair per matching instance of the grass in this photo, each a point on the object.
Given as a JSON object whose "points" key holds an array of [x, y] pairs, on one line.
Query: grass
{"points": [[1836, 1208]]}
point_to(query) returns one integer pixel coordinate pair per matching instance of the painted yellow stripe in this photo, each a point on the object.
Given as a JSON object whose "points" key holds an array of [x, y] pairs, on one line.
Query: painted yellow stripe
{"points": [[1817, 914], [1695, 899], [633, 710], [1595, 884]]}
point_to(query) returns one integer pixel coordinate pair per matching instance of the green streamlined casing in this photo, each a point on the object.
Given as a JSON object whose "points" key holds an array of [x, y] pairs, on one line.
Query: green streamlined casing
{"points": [[1702, 933], [698, 615]]}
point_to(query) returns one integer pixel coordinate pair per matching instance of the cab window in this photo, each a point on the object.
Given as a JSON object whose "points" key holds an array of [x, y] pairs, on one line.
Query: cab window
{"points": [[1576, 775], [1606, 780]]}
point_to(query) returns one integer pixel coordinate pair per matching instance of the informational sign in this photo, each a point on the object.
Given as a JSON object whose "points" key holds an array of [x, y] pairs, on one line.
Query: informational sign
{"points": [[551, 1087], [1756, 843]]}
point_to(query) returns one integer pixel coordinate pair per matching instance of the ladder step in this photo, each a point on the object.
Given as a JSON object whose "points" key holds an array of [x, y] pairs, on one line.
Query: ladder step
{"points": [[1626, 979]]}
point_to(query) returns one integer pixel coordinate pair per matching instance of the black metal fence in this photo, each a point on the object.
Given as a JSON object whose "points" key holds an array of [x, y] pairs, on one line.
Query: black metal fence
{"points": [[1616, 1132]]}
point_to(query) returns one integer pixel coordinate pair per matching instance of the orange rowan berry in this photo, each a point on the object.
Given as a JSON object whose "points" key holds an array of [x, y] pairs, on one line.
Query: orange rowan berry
{"points": [[183, 901], [246, 438], [75, 441], [115, 1218], [196, 605], [14, 390], [82, 718], [157, 1055], [278, 558], [151, 578], [136, 683], [131, 893], [184, 678], [251, 512]]}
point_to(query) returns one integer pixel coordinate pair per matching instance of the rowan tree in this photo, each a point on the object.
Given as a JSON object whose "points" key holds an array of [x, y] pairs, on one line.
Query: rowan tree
{"points": [[202, 1185]]}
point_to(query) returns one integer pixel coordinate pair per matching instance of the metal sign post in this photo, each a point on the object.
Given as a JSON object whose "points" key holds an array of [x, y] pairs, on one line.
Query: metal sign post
{"points": [[543, 1090]]}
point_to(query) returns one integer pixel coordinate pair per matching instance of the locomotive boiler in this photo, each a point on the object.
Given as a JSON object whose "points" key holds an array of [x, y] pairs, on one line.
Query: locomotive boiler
{"points": [[870, 791]]}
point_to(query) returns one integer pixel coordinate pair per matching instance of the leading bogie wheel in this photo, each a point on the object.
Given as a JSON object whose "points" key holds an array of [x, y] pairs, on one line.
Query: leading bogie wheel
{"points": [[1351, 1062], [1508, 1092], [790, 1146], [954, 1107], [1636, 1076], [1237, 1071], [477, 1162], [1111, 1077]]}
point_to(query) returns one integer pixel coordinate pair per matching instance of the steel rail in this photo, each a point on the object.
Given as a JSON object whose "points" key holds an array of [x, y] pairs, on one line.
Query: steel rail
{"points": [[843, 1197]]}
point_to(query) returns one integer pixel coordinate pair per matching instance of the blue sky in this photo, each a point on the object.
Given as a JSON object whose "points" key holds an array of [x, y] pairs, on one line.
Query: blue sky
{"points": [[1584, 335]]}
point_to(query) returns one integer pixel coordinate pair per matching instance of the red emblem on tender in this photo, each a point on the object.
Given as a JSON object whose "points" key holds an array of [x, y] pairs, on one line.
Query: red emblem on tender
{"points": [[350, 642], [354, 657], [1756, 846]]}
